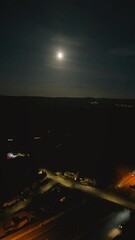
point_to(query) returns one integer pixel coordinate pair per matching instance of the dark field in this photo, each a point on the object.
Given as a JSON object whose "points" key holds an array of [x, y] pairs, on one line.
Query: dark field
{"points": [[92, 136]]}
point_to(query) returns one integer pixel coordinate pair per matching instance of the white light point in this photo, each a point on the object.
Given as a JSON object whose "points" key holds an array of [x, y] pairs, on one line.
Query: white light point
{"points": [[60, 55]]}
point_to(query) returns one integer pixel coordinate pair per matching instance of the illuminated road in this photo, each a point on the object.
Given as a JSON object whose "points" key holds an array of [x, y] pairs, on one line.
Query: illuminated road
{"points": [[80, 222], [77, 223], [69, 184], [91, 190], [35, 230]]}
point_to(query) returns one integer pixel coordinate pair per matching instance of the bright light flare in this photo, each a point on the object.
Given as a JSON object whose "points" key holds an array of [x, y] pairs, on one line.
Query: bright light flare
{"points": [[11, 155], [114, 233], [60, 55]]}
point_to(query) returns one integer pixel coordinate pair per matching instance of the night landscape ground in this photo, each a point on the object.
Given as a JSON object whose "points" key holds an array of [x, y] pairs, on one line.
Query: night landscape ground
{"points": [[88, 136]]}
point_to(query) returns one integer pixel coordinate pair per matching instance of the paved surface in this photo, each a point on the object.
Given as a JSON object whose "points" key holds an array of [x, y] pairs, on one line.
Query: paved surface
{"points": [[91, 190], [78, 223], [81, 222]]}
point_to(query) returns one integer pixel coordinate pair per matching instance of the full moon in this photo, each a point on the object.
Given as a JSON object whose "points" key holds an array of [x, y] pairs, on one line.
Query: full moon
{"points": [[60, 55]]}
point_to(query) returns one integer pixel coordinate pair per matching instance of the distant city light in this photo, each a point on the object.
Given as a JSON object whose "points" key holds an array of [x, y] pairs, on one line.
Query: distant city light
{"points": [[37, 138], [10, 139], [15, 155], [41, 171], [11, 155]]}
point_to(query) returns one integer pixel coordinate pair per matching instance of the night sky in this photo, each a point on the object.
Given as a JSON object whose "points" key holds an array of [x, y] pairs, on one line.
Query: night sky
{"points": [[97, 39]]}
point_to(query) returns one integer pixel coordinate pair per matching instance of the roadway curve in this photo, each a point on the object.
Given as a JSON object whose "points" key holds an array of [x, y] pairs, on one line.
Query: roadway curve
{"points": [[91, 190]]}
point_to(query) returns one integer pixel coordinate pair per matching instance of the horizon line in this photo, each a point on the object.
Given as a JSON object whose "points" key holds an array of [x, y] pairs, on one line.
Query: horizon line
{"points": [[73, 97]]}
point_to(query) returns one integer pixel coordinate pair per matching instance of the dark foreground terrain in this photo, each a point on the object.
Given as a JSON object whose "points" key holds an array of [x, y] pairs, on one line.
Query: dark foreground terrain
{"points": [[89, 136]]}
